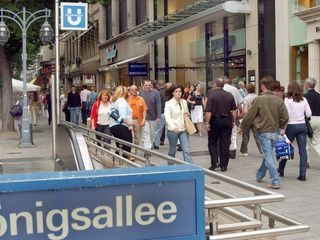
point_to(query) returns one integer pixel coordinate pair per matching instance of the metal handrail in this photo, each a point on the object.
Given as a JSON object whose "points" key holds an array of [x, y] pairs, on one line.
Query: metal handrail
{"points": [[254, 203]]}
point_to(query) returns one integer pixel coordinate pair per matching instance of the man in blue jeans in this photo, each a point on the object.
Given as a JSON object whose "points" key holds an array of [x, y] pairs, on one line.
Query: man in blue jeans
{"points": [[268, 116]]}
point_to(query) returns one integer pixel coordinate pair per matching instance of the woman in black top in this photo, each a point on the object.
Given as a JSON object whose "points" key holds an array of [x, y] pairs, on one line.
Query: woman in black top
{"points": [[196, 100]]}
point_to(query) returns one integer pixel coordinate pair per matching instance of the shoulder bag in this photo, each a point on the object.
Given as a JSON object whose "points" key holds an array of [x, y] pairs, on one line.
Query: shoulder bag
{"points": [[309, 128], [190, 128]]}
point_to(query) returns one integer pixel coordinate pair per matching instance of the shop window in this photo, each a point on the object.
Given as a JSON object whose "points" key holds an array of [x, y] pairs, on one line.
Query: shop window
{"points": [[141, 11], [122, 15]]}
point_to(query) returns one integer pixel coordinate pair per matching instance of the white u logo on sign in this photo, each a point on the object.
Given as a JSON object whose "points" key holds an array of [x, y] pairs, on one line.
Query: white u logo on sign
{"points": [[70, 15]]}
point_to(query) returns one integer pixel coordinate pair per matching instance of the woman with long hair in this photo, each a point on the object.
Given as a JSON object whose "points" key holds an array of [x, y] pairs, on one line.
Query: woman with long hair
{"points": [[121, 117], [296, 128], [175, 110], [100, 115]]}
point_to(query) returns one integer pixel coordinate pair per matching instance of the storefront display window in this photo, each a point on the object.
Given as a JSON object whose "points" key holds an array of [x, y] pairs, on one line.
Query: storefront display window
{"points": [[226, 59]]}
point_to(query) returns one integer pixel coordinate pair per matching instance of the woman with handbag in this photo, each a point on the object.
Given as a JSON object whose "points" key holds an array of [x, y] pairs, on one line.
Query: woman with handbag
{"points": [[196, 100], [298, 108], [100, 115], [121, 117], [175, 111]]}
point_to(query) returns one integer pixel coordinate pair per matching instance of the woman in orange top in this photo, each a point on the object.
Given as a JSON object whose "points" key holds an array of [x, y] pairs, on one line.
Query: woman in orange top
{"points": [[139, 112]]}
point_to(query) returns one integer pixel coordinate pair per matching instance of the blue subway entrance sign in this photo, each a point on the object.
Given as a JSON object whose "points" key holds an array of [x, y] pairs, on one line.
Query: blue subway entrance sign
{"points": [[138, 69], [74, 16], [133, 204]]}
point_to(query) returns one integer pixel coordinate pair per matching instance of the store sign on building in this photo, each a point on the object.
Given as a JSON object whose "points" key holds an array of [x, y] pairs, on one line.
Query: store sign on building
{"points": [[76, 81], [112, 53], [138, 69], [89, 79]]}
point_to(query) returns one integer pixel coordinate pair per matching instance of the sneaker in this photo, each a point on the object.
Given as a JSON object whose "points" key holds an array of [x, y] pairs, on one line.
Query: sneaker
{"points": [[179, 149], [273, 186], [161, 143], [243, 154], [156, 147]]}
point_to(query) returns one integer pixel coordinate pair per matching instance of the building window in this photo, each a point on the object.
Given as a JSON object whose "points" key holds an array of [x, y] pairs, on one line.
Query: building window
{"points": [[109, 20], [141, 11], [122, 15]]}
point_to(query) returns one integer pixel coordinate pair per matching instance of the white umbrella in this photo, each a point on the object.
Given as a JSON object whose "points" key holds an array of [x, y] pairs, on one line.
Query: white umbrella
{"points": [[17, 86]]}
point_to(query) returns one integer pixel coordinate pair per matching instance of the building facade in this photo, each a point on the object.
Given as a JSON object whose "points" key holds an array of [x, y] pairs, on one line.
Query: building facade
{"points": [[188, 41], [196, 41], [117, 49], [308, 13]]}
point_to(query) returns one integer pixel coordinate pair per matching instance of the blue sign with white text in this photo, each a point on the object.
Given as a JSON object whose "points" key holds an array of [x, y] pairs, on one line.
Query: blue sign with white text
{"points": [[74, 16], [138, 69], [132, 204]]}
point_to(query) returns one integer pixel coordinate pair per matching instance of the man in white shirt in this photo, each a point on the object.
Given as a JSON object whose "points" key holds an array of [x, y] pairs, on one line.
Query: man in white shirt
{"points": [[83, 95], [238, 99]]}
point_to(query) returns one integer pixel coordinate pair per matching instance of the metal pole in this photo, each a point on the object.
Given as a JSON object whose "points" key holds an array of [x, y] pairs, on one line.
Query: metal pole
{"points": [[57, 53], [25, 140], [55, 86]]}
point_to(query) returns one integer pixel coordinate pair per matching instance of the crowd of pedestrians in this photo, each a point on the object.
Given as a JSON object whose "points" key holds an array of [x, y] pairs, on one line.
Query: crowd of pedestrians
{"points": [[144, 116]]}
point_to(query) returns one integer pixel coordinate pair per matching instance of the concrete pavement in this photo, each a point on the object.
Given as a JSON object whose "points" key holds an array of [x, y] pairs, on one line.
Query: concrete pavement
{"points": [[23, 160]]}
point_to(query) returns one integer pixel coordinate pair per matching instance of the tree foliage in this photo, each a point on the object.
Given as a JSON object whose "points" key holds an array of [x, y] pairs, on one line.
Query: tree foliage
{"points": [[11, 52], [14, 45]]}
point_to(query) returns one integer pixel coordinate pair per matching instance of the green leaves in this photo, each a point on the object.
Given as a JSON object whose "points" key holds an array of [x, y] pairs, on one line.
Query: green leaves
{"points": [[13, 47]]}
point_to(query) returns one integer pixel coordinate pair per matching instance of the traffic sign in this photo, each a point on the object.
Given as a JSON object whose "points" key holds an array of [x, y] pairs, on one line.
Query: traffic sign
{"points": [[74, 16]]}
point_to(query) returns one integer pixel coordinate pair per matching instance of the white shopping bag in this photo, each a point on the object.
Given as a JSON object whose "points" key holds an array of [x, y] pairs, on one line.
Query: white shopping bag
{"points": [[233, 145]]}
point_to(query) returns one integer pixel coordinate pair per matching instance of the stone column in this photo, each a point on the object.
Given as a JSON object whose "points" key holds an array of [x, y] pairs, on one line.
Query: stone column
{"points": [[252, 57], [102, 23], [314, 61], [115, 17], [131, 14], [282, 42]]}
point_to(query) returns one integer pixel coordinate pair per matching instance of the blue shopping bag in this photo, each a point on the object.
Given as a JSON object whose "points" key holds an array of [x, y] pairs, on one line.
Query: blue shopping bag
{"points": [[284, 149]]}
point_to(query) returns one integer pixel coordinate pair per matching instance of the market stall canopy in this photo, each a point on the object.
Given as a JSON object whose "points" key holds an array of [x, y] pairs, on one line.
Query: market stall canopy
{"points": [[17, 86]]}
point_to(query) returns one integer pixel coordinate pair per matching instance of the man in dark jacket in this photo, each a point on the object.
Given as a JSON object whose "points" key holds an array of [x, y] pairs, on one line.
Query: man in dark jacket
{"points": [[74, 105], [313, 99], [268, 115]]}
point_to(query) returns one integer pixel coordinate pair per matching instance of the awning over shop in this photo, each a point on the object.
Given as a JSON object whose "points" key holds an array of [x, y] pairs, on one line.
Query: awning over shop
{"points": [[201, 12], [121, 64]]}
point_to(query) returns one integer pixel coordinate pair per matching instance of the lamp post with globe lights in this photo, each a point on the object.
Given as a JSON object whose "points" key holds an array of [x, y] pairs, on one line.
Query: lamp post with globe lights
{"points": [[24, 19]]}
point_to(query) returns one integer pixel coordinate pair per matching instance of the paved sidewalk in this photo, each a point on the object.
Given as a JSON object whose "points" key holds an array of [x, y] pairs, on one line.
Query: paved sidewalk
{"points": [[302, 202], [22, 160]]}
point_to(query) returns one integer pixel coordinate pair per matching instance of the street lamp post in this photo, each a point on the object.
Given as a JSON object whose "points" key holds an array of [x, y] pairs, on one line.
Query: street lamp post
{"points": [[24, 19]]}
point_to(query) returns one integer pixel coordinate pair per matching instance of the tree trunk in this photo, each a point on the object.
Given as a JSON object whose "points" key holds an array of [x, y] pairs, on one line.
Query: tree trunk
{"points": [[6, 99]]}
